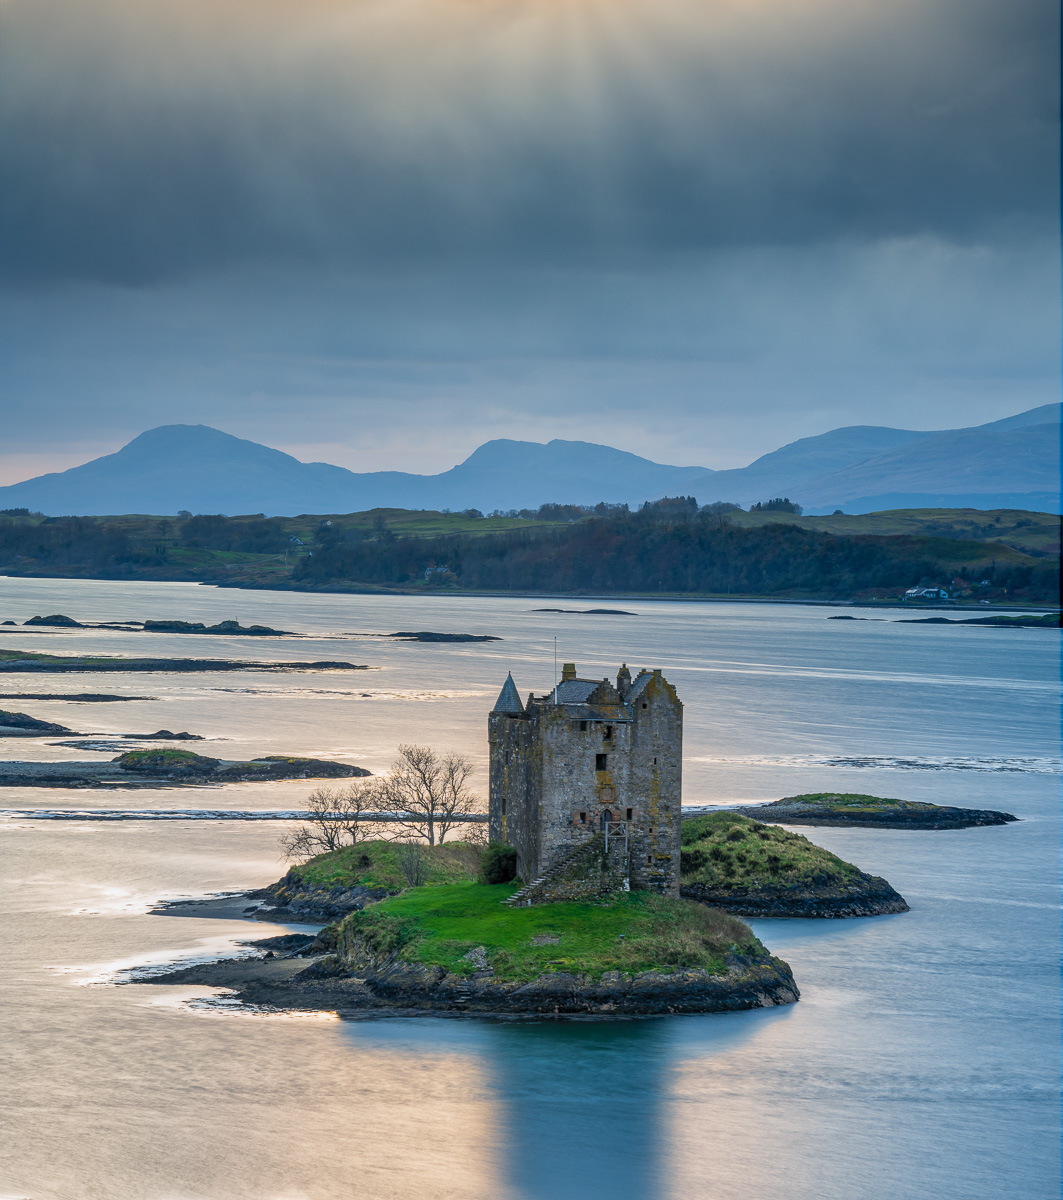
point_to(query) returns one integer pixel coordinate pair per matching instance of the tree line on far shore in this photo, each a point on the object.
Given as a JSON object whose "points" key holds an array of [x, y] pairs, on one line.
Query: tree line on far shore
{"points": [[674, 550], [667, 546]]}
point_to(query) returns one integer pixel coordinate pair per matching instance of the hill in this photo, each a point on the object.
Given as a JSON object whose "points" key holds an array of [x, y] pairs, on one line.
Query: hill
{"points": [[1012, 463], [666, 549]]}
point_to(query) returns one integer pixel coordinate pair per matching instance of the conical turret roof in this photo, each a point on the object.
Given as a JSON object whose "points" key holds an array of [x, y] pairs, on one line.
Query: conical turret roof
{"points": [[508, 699]]}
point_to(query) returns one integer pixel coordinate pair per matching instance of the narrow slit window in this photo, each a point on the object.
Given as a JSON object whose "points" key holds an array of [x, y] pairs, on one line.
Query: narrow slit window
{"points": [[583, 726], [600, 761], [630, 813], [608, 732]]}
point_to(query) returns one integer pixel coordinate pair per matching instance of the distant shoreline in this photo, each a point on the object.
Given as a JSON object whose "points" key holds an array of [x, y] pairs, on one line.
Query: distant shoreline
{"points": [[649, 597]]}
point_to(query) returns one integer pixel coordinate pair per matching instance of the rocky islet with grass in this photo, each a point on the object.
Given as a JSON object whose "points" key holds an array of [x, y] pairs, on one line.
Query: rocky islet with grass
{"points": [[452, 946], [873, 812], [756, 870]]}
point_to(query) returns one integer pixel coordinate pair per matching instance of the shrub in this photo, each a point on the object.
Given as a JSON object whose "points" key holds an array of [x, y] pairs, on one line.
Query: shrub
{"points": [[412, 858], [498, 864]]}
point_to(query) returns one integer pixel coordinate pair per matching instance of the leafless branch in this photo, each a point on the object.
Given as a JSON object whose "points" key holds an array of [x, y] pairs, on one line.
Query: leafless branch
{"points": [[333, 819], [432, 789]]}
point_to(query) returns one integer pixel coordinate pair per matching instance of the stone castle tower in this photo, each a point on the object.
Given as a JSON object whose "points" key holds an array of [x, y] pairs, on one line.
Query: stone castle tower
{"points": [[585, 757]]}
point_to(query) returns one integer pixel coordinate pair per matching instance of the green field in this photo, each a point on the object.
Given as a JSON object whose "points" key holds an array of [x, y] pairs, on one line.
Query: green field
{"points": [[1031, 533]]}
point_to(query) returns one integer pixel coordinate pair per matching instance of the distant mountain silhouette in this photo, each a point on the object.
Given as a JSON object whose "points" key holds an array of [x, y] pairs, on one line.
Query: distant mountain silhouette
{"points": [[1011, 463]]}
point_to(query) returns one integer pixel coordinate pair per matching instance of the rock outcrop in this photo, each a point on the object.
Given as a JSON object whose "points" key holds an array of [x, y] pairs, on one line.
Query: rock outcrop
{"points": [[293, 899], [876, 813], [861, 896]]}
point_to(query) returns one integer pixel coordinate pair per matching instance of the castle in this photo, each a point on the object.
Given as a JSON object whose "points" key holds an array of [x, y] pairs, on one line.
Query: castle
{"points": [[590, 772]]}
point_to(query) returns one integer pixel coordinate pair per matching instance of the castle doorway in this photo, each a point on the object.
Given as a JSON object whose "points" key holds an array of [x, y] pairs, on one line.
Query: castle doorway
{"points": [[607, 817]]}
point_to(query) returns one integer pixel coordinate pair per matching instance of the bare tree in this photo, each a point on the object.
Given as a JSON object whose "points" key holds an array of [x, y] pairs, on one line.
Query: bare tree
{"points": [[332, 819], [430, 789]]}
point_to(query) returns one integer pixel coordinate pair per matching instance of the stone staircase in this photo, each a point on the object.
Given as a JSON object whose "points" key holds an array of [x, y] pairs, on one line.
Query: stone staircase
{"points": [[463, 992], [593, 845]]}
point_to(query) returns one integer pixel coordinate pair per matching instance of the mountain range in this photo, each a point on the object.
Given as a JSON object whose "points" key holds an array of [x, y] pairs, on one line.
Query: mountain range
{"points": [[1012, 463]]}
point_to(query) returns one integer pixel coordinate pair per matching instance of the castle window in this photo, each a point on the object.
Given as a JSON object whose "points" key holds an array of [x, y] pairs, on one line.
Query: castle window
{"points": [[583, 726], [608, 733], [583, 818], [600, 761], [630, 814], [645, 706], [649, 859], [503, 806], [654, 762]]}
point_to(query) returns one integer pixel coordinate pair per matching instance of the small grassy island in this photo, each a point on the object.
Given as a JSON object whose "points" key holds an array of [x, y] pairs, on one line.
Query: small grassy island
{"points": [[450, 945], [156, 768], [756, 870], [829, 808]]}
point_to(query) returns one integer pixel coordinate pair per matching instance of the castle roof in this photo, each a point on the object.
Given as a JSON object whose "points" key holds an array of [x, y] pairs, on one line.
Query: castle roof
{"points": [[508, 699], [575, 691], [590, 700]]}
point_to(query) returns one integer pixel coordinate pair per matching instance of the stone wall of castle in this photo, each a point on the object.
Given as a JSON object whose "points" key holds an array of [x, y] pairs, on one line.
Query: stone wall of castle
{"points": [[556, 776]]}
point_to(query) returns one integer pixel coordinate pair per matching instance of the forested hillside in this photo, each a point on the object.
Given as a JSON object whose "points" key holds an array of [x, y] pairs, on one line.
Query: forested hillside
{"points": [[670, 547]]}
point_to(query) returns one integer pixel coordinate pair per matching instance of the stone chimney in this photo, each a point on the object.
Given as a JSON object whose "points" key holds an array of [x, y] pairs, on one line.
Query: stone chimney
{"points": [[568, 671], [623, 680]]}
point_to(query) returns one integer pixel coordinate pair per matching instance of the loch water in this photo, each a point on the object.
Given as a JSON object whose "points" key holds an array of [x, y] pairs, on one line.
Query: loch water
{"points": [[921, 1061]]}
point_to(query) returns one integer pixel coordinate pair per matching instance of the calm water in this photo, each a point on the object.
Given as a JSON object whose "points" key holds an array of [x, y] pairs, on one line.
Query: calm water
{"points": [[921, 1061]]}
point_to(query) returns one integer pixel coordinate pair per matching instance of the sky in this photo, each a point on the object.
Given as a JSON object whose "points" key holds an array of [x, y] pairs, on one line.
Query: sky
{"points": [[380, 232]]}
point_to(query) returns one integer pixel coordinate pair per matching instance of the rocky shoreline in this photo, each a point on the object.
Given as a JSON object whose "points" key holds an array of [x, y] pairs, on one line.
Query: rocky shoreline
{"points": [[290, 899], [894, 814], [361, 987], [865, 896]]}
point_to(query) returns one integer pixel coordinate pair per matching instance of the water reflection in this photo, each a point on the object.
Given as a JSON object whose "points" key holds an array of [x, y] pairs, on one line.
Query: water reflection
{"points": [[581, 1108]]}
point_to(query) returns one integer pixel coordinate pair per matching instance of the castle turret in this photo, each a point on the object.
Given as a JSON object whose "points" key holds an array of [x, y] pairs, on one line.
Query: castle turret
{"points": [[509, 698]]}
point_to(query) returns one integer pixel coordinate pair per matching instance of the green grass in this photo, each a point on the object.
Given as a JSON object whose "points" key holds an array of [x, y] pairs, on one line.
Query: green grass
{"points": [[375, 864], [854, 802], [439, 925], [729, 852], [163, 758]]}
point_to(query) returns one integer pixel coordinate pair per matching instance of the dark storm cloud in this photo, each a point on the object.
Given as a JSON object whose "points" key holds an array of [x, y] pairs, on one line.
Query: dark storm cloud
{"points": [[142, 142]]}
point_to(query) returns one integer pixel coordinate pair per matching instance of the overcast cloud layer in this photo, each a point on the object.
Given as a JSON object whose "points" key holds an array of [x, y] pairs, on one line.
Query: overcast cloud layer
{"points": [[381, 232]]}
